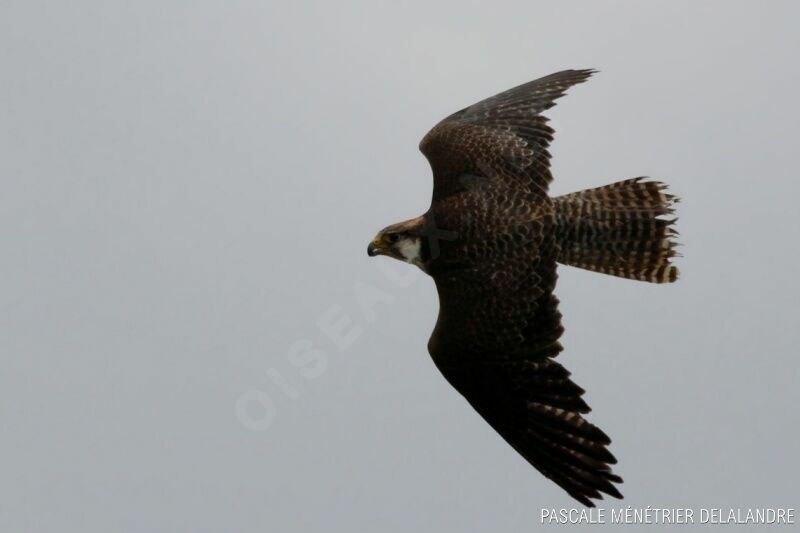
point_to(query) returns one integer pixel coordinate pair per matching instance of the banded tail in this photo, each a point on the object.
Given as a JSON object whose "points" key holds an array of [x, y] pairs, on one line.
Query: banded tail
{"points": [[618, 229]]}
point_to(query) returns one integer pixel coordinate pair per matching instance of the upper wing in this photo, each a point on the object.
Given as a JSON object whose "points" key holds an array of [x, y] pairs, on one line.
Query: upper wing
{"points": [[502, 137], [495, 341]]}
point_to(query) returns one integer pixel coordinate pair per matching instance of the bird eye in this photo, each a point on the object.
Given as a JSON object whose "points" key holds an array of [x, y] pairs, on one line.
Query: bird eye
{"points": [[393, 237]]}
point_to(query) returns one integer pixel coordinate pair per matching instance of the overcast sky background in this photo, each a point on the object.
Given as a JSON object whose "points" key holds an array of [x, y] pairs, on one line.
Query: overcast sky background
{"points": [[189, 187]]}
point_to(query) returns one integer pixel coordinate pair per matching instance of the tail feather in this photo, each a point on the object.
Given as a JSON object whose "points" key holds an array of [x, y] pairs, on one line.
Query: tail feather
{"points": [[618, 229]]}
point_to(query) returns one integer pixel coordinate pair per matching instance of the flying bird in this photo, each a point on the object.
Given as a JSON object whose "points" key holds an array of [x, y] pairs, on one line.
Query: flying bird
{"points": [[491, 240]]}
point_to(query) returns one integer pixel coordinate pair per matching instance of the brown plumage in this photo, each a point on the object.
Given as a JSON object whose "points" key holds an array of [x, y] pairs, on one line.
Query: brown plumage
{"points": [[491, 241]]}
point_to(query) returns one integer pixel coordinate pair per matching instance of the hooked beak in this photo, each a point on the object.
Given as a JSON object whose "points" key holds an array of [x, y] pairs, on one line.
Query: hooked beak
{"points": [[375, 247]]}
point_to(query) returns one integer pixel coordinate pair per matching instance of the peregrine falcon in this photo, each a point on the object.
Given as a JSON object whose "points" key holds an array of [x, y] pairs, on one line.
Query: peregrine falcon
{"points": [[491, 241]]}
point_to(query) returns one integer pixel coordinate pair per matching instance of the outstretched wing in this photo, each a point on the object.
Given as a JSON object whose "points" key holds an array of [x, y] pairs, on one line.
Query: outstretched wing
{"points": [[495, 341], [503, 137], [497, 334]]}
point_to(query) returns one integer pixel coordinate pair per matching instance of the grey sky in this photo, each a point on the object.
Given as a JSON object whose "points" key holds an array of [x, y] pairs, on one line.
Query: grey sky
{"points": [[189, 187]]}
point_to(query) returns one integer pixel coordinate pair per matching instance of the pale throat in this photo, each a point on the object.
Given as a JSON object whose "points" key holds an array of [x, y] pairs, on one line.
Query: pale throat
{"points": [[410, 249]]}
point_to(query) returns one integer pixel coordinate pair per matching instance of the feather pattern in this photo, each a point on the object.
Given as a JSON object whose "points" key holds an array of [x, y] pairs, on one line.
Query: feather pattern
{"points": [[491, 241], [619, 230]]}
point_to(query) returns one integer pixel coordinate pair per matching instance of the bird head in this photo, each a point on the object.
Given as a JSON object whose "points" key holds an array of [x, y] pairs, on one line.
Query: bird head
{"points": [[402, 241]]}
